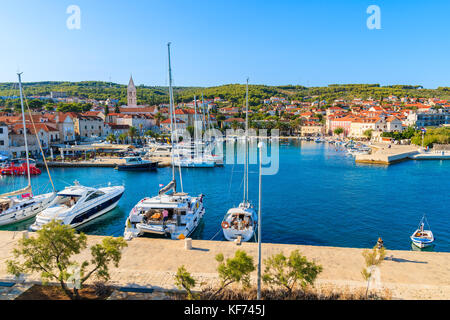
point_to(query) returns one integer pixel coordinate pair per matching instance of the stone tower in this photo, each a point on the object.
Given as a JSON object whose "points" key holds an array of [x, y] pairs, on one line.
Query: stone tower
{"points": [[131, 94]]}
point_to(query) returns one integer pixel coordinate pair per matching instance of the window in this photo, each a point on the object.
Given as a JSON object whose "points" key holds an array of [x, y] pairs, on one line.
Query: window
{"points": [[1, 130], [95, 195], [2, 143]]}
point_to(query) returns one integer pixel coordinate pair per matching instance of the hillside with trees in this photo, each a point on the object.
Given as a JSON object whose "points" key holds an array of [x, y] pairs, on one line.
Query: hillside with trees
{"points": [[234, 93]]}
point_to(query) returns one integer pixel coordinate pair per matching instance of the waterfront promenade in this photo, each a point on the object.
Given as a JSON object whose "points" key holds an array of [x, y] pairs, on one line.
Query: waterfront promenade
{"points": [[101, 163], [153, 262]]}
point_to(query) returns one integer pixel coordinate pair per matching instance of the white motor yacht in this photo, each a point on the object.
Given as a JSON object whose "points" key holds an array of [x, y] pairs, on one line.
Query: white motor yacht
{"points": [[77, 204]]}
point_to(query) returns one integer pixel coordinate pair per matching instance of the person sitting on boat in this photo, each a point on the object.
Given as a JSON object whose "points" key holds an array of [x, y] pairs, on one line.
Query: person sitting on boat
{"points": [[165, 215], [246, 221], [71, 201]]}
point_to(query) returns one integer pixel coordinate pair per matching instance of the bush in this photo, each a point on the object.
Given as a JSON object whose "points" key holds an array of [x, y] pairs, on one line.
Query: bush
{"points": [[288, 272], [184, 280], [234, 270], [51, 251]]}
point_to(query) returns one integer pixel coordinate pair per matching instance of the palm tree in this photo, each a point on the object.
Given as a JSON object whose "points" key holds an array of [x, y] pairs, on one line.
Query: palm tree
{"points": [[111, 138], [132, 132], [122, 137]]}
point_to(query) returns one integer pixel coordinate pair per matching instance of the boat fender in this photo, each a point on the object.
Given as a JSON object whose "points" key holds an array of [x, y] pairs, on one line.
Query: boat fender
{"points": [[225, 225]]}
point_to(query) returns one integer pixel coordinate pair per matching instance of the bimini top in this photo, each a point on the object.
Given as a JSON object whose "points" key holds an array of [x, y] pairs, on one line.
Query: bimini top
{"points": [[247, 212]]}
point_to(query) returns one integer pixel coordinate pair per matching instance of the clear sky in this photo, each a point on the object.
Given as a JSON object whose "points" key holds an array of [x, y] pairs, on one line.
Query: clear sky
{"points": [[216, 42]]}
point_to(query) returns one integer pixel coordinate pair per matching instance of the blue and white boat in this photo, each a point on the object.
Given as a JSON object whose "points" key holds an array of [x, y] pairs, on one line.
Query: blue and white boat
{"points": [[137, 164], [422, 238], [77, 205]]}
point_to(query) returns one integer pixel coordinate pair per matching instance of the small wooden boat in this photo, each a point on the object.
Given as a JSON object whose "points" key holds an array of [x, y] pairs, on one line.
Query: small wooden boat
{"points": [[422, 238], [137, 163]]}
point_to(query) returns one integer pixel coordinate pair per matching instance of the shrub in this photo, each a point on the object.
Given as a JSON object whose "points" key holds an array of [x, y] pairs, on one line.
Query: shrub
{"points": [[51, 251], [234, 270], [288, 272], [184, 280]]}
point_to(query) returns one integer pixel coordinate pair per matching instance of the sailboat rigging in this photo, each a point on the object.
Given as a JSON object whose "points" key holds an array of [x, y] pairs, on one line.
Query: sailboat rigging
{"points": [[176, 214], [241, 222], [12, 208]]}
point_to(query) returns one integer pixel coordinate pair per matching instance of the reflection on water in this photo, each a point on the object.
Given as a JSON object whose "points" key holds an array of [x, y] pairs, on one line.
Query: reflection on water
{"points": [[427, 249]]}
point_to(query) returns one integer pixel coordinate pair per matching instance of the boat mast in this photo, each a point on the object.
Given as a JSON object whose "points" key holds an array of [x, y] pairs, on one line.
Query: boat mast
{"points": [[195, 127], [170, 112], [24, 128], [246, 146], [173, 121], [203, 114]]}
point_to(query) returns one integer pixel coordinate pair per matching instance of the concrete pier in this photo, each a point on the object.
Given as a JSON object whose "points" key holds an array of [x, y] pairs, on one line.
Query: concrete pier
{"points": [[154, 262], [386, 156]]}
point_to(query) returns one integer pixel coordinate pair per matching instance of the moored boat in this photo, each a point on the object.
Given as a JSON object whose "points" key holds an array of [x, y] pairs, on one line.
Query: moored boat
{"points": [[19, 167], [77, 205], [22, 204], [241, 222], [137, 164], [422, 238], [170, 213]]}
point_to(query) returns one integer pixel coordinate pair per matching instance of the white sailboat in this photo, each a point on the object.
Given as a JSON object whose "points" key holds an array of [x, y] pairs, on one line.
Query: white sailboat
{"points": [[241, 222], [188, 155], [14, 209], [175, 214]]}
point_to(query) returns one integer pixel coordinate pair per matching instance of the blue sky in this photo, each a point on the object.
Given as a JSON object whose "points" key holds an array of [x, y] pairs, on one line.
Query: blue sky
{"points": [[217, 42]]}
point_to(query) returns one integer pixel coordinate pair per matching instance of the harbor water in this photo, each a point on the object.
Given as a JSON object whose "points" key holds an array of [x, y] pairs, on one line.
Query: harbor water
{"points": [[318, 197]]}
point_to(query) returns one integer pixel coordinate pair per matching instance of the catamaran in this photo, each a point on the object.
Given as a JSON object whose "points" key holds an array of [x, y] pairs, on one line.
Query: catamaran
{"points": [[241, 222], [422, 238], [15, 209], [170, 213]]}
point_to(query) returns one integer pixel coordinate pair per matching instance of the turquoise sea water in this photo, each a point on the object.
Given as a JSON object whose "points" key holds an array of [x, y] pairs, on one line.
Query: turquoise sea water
{"points": [[319, 197]]}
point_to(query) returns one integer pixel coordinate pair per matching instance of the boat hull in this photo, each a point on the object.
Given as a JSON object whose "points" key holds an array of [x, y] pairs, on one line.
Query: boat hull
{"points": [[41, 203], [420, 243], [231, 234], [138, 167]]}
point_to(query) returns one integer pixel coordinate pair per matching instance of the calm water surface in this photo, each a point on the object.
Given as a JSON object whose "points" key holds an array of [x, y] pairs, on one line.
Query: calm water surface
{"points": [[319, 197]]}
